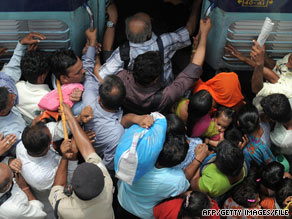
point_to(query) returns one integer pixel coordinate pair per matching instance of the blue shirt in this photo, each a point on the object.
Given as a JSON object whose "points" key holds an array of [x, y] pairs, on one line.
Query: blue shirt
{"points": [[191, 152], [13, 123], [257, 151], [156, 185], [106, 125]]}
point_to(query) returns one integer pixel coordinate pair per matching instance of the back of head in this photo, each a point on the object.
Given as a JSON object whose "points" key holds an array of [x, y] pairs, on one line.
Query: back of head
{"points": [[147, 68], [246, 194], [34, 64], [87, 181], [272, 175], [175, 125], [174, 151], [194, 204], [277, 107], [4, 95], [234, 135], [36, 139], [61, 60], [248, 119], [229, 158], [112, 92], [138, 28], [199, 105], [284, 191]]}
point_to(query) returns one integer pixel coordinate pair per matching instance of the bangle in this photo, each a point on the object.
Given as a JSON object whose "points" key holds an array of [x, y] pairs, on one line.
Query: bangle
{"points": [[198, 160], [25, 188]]}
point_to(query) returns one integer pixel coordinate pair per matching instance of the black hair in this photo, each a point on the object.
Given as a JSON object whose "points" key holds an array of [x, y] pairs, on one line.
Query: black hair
{"points": [[229, 158], [245, 192], [199, 105], [229, 112], [248, 119], [112, 92], [34, 64], [197, 201], [272, 175], [284, 191], [61, 60], [147, 68], [277, 107], [35, 138], [175, 125], [174, 151], [234, 135], [4, 95]]}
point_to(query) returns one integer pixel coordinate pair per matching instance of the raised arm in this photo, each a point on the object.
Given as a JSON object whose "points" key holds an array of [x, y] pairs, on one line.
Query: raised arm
{"points": [[199, 57], [13, 67], [257, 54], [268, 73], [80, 137]]}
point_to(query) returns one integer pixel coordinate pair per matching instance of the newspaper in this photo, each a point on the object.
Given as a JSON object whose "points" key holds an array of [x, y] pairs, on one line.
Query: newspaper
{"points": [[265, 32]]}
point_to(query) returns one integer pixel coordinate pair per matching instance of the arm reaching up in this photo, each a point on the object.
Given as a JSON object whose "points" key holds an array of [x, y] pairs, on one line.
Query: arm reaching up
{"points": [[257, 54], [81, 139], [199, 56]]}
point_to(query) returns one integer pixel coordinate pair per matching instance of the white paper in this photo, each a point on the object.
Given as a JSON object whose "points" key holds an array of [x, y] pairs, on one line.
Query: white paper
{"points": [[265, 32]]}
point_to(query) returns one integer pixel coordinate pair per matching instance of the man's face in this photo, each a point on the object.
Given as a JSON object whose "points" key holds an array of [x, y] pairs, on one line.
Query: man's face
{"points": [[9, 105], [76, 73]]}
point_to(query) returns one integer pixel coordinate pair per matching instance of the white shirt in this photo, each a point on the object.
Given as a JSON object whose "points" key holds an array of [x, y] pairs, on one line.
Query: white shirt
{"points": [[18, 206], [39, 172], [29, 98]]}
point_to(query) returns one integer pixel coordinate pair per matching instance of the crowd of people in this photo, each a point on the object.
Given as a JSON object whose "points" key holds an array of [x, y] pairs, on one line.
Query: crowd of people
{"points": [[219, 149]]}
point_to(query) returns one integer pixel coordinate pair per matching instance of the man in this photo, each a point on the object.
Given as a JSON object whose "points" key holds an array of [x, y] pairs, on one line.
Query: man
{"points": [[278, 108], [106, 100], [141, 39], [144, 93], [16, 199], [92, 187], [163, 181], [68, 68]]}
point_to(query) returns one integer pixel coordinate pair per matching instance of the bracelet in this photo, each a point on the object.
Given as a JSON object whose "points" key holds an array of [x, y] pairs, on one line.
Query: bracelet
{"points": [[25, 188], [198, 160]]}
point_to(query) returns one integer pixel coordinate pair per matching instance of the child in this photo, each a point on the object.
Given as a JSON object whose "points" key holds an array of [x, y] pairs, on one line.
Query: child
{"points": [[190, 206], [212, 129], [270, 178], [284, 195], [257, 148], [246, 196]]}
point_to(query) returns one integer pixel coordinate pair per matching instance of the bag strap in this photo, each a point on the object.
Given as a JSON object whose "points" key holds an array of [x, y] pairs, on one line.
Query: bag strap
{"points": [[210, 159], [161, 48], [56, 209], [125, 51], [125, 54]]}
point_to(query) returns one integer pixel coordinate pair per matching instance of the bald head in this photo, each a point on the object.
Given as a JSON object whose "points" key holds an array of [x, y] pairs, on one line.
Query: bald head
{"points": [[5, 177], [138, 28]]}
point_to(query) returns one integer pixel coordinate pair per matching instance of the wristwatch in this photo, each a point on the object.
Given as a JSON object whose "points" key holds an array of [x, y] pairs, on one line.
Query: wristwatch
{"points": [[110, 24]]}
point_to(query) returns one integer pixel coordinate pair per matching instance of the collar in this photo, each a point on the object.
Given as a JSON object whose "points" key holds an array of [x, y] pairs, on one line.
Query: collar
{"points": [[37, 86], [108, 114], [146, 43]]}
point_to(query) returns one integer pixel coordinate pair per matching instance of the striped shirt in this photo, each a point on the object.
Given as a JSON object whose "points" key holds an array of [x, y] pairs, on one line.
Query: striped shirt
{"points": [[171, 43]]}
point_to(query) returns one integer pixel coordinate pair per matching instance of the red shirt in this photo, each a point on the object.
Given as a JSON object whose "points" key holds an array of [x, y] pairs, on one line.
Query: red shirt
{"points": [[170, 209]]}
